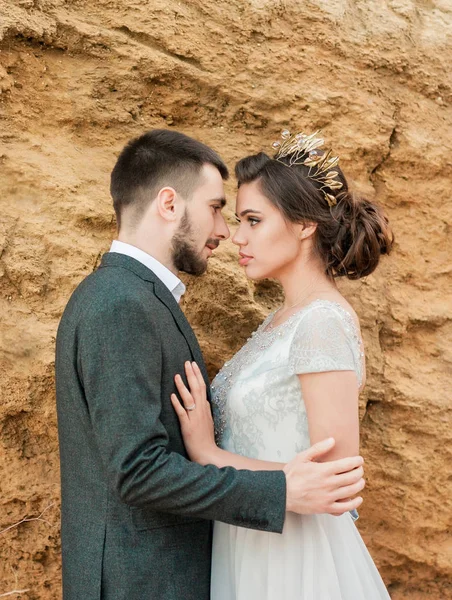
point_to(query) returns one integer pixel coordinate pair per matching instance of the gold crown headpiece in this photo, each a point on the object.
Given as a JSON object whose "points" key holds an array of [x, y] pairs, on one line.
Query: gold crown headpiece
{"points": [[302, 150]]}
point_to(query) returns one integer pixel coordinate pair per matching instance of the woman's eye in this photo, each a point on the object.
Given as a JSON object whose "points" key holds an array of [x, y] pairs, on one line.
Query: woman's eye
{"points": [[253, 222]]}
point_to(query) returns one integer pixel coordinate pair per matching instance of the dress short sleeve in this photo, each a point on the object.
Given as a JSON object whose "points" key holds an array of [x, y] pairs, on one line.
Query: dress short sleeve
{"points": [[324, 340]]}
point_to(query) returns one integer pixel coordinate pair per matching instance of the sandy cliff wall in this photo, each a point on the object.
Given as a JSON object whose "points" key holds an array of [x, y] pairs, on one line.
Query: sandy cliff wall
{"points": [[78, 78]]}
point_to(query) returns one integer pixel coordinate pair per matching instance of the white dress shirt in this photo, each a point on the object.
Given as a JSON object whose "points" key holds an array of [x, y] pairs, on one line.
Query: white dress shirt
{"points": [[172, 282]]}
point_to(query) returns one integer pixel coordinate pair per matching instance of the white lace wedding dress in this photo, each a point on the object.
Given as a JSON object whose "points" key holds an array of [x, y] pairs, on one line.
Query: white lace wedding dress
{"points": [[259, 412]]}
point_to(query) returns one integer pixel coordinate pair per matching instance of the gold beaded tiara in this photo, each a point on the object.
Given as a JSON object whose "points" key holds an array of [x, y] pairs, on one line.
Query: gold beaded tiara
{"points": [[302, 150]]}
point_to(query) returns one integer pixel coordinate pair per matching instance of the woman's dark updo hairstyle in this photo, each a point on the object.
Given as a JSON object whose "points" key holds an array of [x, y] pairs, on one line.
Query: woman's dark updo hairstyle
{"points": [[350, 236]]}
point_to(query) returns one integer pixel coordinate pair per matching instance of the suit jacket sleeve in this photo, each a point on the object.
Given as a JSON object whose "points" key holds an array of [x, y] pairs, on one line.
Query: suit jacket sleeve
{"points": [[120, 366]]}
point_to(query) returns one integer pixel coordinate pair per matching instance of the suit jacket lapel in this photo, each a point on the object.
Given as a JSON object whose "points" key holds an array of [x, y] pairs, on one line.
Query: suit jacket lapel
{"points": [[168, 299], [165, 296]]}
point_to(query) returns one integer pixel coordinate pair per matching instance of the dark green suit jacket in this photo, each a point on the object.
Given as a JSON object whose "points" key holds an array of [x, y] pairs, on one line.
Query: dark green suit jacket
{"points": [[136, 513]]}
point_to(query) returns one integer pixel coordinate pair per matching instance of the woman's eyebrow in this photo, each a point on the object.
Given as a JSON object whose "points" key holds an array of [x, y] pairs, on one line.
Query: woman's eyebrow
{"points": [[248, 210]]}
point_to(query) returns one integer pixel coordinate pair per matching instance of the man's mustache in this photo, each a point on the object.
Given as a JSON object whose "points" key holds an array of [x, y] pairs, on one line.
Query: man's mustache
{"points": [[213, 243]]}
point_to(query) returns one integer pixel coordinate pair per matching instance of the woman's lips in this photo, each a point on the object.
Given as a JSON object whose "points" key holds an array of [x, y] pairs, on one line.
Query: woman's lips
{"points": [[244, 259]]}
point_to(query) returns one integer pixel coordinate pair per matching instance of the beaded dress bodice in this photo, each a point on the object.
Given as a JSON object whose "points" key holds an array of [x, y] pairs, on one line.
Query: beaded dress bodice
{"points": [[257, 399]]}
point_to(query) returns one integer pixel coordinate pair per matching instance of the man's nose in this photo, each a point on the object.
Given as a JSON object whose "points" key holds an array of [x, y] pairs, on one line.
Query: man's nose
{"points": [[222, 230]]}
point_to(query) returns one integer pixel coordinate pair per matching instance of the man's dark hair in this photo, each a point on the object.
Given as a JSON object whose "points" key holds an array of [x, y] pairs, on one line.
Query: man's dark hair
{"points": [[157, 159]]}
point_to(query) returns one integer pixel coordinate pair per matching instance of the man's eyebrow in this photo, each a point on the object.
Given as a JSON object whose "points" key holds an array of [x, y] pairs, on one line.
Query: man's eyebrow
{"points": [[248, 210], [221, 201]]}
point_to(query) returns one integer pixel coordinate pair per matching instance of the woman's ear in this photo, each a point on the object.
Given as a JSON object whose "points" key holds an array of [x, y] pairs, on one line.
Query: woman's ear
{"points": [[307, 230]]}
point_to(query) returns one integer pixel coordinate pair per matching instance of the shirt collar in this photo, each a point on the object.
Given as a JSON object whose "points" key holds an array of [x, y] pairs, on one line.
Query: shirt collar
{"points": [[171, 281]]}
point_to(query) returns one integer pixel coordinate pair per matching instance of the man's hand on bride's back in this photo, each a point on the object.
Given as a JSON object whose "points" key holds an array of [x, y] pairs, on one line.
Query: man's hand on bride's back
{"points": [[195, 416], [328, 487]]}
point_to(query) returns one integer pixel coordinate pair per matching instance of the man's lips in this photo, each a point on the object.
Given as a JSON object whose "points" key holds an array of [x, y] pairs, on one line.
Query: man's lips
{"points": [[244, 259], [212, 245]]}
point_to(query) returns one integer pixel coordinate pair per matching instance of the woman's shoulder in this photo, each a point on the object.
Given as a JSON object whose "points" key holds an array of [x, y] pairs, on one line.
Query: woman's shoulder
{"points": [[326, 322], [318, 317], [326, 337], [328, 308], [339, 306]]}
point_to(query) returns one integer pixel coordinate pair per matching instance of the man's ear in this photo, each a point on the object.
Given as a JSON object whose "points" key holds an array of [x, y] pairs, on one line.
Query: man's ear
{"points": [[166, 204]]}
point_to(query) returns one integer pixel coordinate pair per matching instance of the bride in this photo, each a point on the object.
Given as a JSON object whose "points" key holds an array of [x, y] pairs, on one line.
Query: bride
{"points": [[297, 379]]}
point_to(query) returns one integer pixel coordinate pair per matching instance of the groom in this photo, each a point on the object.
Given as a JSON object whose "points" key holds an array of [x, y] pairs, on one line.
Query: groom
{"points": [[136, 513]]}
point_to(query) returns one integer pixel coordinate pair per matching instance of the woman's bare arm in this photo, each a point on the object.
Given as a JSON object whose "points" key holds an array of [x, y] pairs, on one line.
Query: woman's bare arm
{"points": [[331, 401]]}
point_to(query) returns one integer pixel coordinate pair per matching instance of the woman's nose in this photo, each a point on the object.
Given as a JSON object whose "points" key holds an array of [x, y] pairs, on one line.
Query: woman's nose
{"points": [[238, 238]]}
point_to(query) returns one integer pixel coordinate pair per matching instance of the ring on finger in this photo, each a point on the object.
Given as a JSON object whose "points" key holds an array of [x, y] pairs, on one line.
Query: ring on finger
{"points": [[192, 407]]}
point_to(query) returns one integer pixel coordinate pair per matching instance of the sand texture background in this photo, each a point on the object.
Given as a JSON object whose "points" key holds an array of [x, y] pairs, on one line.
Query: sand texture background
{"points": [[79, 78]]}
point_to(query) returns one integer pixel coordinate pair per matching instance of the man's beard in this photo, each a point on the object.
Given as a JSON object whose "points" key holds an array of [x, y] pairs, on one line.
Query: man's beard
{"points": [[185, 256]]}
